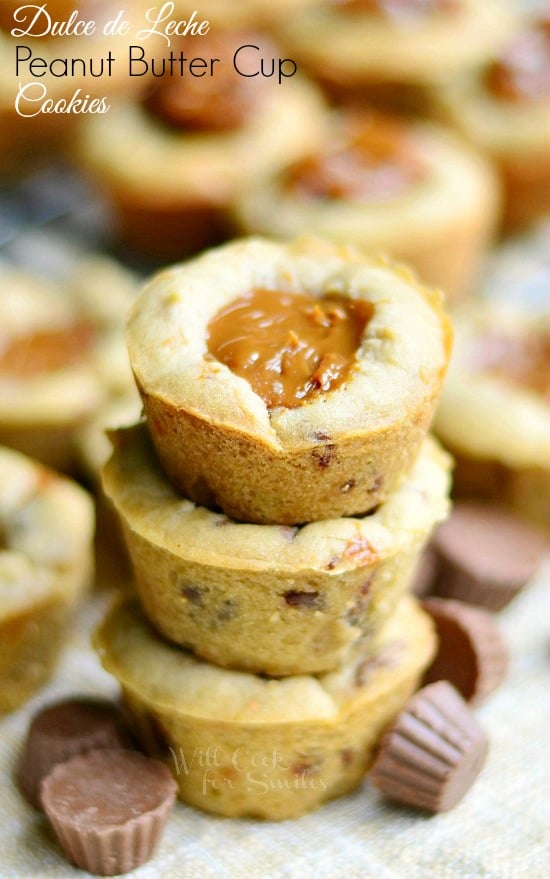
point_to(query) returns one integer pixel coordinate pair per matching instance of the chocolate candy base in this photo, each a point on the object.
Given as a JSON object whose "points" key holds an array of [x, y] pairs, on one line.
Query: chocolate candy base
{"points": [[472, 654], [526, 490], [432, 754]]}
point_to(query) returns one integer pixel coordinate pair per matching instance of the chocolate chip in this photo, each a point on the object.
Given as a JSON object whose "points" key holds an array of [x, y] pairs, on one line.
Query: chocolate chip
{"points": [[471, 653], [306, 766], [227, 611], [347, 756], [302, 767], [324, 456], [365, 587], [361, 602], [302, 599], [485, 555], [387, 657], [433, 752], [192, 594], [377, 484]]}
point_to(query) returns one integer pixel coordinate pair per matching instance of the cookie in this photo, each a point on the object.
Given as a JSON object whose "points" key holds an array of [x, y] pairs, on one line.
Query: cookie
{"points": [[241, 744]]}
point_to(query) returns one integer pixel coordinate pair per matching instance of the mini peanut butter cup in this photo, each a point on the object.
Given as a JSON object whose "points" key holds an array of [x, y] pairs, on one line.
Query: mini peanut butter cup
{"points": [[431, 755], [108, 808], [63, 730], [471, 655], [425, 573], [485, 555]]}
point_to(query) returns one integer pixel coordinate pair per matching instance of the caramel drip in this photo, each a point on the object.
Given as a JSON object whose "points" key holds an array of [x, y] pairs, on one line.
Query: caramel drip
{"points": [[372, 161], [523, 361], [46, 351], [289, 346]]}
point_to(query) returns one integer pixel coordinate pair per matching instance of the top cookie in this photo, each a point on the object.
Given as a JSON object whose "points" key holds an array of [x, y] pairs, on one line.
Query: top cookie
{"points": [[323, 410]]}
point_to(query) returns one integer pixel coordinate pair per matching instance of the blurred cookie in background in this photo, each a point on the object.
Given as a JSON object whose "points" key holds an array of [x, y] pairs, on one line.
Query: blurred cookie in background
{"points": [[390, 186], [394, 51], [173, 163], [494, 413], [46, 527], [62, 354], [232, 13], [49, 80], [504, 109]]}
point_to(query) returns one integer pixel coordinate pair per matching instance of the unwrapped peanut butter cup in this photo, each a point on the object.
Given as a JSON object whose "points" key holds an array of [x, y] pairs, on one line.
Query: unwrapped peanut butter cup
{"points": [[63, 730], [108, 808], [471, 654], [485, 555], [430, 757]]}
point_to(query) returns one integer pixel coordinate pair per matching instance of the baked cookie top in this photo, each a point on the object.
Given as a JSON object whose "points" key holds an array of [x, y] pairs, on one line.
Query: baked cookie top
{"points": [[399, 362]]}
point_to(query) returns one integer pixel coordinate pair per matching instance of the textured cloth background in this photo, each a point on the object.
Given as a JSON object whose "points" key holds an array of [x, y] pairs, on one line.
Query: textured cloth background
{"points": [[497, 832]]}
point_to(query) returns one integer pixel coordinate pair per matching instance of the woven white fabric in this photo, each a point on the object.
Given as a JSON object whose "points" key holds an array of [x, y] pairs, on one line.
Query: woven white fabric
{"points": [[497, 832]]}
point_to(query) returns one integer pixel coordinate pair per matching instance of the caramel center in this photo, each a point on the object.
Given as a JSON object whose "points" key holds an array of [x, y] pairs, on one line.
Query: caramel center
{"points": [[46, 351], [289, 346], [373, 160], [214, 98], [523, 361]]}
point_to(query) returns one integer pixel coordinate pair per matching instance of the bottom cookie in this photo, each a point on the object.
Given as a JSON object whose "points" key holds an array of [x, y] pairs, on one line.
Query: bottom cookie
{"points": [[240, 744]]}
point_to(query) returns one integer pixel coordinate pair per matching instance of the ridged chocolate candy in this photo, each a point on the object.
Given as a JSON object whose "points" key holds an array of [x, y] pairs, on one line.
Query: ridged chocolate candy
{"points": [[108, 808], [485, 555], [471, 654], [63, 730], [434, 751]]}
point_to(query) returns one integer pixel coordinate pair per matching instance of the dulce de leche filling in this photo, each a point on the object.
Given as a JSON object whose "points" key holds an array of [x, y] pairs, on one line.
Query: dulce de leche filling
{"points": [[371, 160], [46, 351], [522, 73], [520, 360], [289, 346], [216, 97]]}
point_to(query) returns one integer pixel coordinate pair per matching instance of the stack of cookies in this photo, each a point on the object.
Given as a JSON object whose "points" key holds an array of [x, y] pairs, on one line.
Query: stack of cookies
{"points": [[274, 504]]}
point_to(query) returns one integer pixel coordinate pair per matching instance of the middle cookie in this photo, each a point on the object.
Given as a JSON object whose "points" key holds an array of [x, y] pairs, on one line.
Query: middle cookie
{"points": [[272, 599]]}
